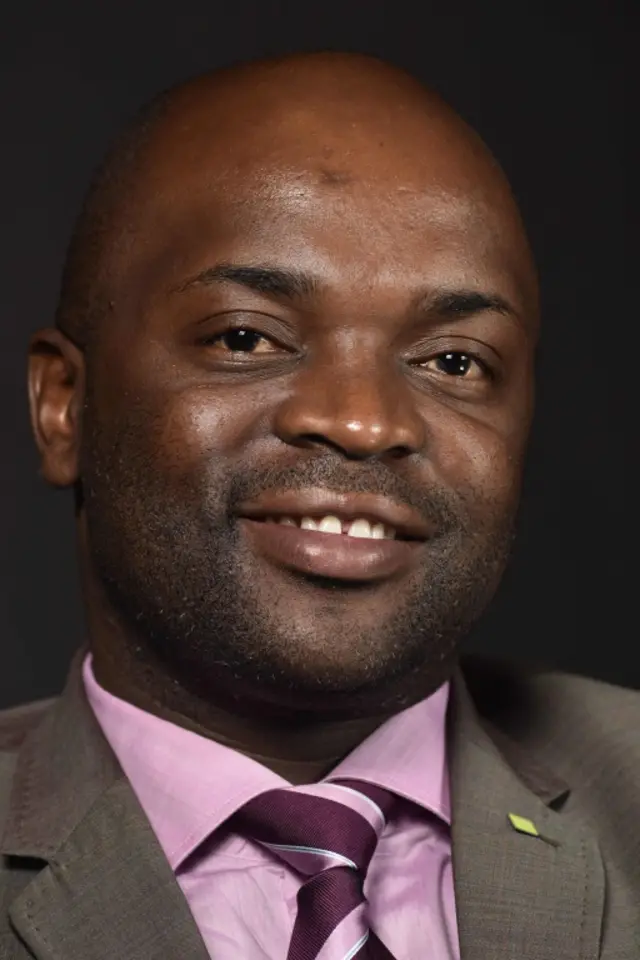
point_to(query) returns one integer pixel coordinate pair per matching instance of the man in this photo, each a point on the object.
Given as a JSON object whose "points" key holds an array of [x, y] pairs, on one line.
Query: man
{"points": [[290, 385]]}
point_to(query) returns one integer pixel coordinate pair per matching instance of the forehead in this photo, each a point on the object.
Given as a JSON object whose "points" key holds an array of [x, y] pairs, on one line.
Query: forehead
{"points": [[345, 201]]}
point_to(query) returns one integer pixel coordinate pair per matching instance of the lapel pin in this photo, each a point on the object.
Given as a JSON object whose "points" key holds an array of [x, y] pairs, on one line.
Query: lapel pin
{"points": [[523, 825]]}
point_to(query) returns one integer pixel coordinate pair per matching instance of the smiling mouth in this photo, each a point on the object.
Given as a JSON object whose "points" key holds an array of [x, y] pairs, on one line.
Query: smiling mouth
{"points": [[329, 547]]}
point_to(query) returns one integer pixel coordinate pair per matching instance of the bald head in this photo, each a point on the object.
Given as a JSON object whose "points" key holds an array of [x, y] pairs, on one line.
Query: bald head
{"points": [[344, 121]]}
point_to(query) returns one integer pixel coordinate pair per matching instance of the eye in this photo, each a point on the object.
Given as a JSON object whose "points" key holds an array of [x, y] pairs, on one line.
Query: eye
{"points": [[240, 340], [455, 363]]}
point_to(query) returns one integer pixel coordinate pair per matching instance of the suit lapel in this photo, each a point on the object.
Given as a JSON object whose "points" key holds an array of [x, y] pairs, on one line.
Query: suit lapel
{"points": [[108, 892], [517, 896], [106, 888]]}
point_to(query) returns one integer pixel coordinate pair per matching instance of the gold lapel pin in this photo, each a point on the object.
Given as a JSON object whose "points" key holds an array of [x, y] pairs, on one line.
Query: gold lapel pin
{"points": [[524, 825]]}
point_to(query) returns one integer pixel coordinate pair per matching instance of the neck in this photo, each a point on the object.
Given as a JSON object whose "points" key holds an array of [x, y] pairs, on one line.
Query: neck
{"points": [[301, 750]]}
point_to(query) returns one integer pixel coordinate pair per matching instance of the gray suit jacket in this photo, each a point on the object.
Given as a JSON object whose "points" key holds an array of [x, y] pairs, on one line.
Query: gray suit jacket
{"points": [[82, 876]]}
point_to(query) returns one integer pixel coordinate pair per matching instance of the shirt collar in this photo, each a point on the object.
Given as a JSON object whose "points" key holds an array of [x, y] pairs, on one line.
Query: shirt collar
{"points": [[407, 755], [188, 785]]}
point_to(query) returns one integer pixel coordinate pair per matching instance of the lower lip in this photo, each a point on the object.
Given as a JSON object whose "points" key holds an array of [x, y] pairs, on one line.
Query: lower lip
{"points": [[338, 556]]}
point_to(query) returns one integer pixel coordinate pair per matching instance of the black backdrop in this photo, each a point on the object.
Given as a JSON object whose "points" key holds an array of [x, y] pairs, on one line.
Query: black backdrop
{"points": [[547, 87]]}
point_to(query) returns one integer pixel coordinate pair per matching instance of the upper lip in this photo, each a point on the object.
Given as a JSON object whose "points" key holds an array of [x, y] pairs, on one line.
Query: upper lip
{"points": [[315, 502]]}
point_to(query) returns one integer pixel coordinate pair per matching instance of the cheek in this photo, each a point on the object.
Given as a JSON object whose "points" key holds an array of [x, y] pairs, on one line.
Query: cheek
{"points": [[199, 423], [478, 457], [174, 422]]}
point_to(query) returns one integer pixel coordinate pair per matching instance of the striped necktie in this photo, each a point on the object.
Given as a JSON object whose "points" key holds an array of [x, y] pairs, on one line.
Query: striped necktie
{"points": [[327, 832]]}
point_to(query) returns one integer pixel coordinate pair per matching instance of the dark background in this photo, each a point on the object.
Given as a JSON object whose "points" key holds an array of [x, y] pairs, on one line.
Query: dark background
{"points": [[547, 87]]}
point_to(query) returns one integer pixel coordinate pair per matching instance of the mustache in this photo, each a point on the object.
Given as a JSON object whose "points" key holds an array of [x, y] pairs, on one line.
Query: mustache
{"points": [[448, 508]]}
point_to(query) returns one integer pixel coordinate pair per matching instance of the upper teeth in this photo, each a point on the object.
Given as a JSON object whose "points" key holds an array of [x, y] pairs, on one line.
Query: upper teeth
{"points": [[330, 524]]}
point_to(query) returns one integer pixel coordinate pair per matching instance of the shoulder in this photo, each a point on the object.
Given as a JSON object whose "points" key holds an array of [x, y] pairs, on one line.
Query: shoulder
{"points": [[585, 730], [504, 687], [15, 725], [17, 722], [526, 695]]}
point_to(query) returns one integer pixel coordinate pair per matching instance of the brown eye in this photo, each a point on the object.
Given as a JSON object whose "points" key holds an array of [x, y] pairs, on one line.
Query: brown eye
{"points": [[457, 364], [241, 340]]}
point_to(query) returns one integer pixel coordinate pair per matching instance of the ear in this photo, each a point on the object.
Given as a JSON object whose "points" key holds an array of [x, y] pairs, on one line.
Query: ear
{"points": [[56, 397]]}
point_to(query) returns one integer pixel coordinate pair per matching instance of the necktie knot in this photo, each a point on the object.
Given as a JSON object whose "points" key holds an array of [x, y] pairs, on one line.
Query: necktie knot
{"points": [[327, 832], [316, 827]]}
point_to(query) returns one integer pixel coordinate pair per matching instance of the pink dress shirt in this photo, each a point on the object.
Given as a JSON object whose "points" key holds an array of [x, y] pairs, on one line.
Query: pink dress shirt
{"points": [[242, 900]]}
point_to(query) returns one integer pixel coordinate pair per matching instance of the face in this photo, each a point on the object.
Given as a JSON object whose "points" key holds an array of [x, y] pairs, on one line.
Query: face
{"points": [[287, 343]]}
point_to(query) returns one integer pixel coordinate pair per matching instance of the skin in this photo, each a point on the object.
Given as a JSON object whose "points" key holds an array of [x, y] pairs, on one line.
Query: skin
{"points": [[346, 171]]}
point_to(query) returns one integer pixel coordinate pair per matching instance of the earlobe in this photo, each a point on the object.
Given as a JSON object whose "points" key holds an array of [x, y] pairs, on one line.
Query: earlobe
{"points": [[56, 396]]}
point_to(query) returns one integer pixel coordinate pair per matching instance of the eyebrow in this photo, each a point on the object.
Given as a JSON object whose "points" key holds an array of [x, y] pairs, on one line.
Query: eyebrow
{"points": [[462, 303], [295, 285], [274, 281]]}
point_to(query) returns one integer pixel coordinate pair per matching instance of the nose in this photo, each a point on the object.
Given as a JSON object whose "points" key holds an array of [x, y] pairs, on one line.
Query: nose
{"points": [[363, 409]]}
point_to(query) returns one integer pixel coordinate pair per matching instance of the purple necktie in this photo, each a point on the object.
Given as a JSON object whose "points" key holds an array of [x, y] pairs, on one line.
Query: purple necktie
{"points": [[327, 832]]}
